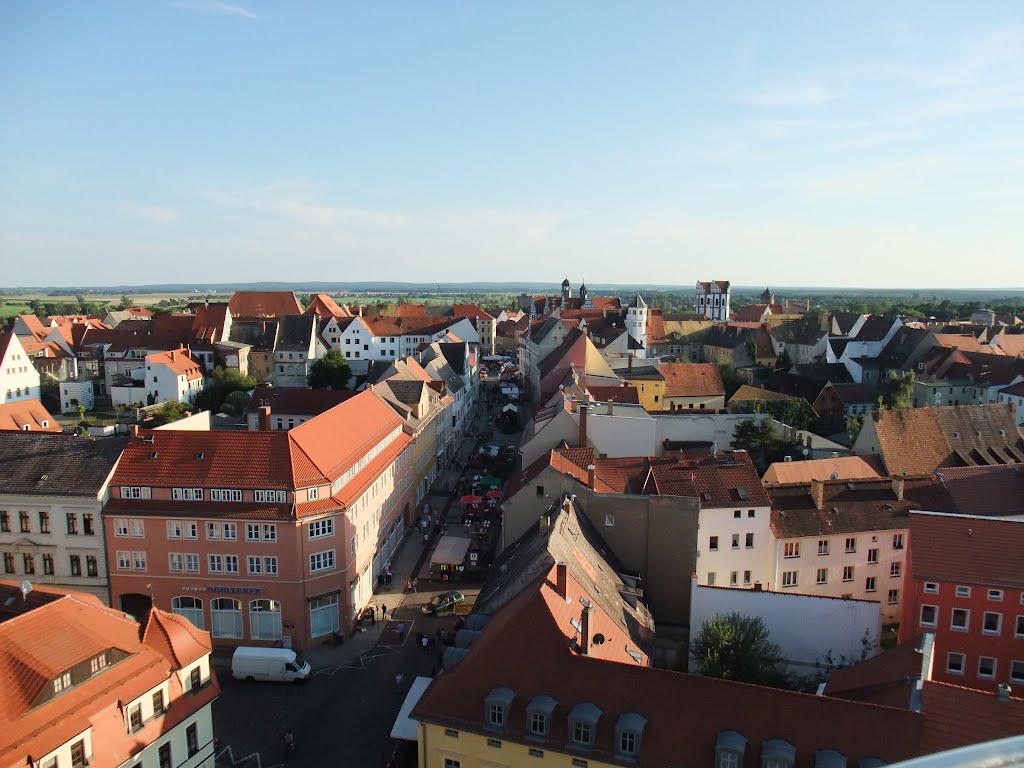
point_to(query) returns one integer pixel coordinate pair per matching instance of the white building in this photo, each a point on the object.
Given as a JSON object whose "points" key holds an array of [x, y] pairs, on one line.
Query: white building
{"points": [[173, 376], [711, 299], [1014, 395], [82, 392], [636, 323], [807, 628], [19, 379], [844, 538], [55, 487]]}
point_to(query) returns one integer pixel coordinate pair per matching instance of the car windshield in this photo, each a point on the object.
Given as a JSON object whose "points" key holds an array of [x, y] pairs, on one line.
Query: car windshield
{"points": [[299, 661]]}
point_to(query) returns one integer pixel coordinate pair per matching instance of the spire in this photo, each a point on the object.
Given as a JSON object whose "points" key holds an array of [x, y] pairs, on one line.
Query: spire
{"points": [[638, 302]]}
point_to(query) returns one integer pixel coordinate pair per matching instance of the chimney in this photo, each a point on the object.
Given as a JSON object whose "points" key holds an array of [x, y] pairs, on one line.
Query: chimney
{"points": [[818, 493], [758, 587], [133, 430], [591, 477], [584, 407], [545, 523], [630, 363], [1003, 693], [263, 418], [561, 579], [585, 630], [897, 488]]}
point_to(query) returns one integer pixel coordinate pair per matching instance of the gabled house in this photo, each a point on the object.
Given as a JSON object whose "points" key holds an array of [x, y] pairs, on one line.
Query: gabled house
{"points": [[295, 350], [26, 416], [287, 407], [102, 689], [692, 386], [19, 379], [263, 304]]}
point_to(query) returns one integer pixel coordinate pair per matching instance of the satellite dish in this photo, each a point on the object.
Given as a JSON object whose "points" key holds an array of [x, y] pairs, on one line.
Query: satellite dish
{"points": [[25, 587]]}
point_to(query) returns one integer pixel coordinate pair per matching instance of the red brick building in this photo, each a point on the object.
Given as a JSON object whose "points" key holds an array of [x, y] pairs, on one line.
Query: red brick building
{"points": [[260, 537], [966, 585]]}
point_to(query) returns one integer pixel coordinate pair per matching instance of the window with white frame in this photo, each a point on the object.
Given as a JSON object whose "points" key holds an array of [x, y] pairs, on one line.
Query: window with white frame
{"points": [[255, 565], [791, 549], [996, 595], [321, 561], [869, 584], [931, 587], [212, 531], [134, 492], [895, 569], [215, 563], [121, 527], [823, 547], [274, 497], [893, 597], [269, 531], [252, 531], [265, 619], [961, 620], [270, 565], [929, 615], [318, 529], [312, 494], [789, 578], [955, 663], [873, 555], [230, 531], [822, 577], [138, 561], [992, 623], [986, 667], [225, 617], [225, 494], [137, 529], [231, 564], [851, 545], [1019, 633], [187, 494], [1017, 671], [847, 573], [323, 615], [963, 591], [177, 562], [189, 607], [897, 541], [124, 561]]}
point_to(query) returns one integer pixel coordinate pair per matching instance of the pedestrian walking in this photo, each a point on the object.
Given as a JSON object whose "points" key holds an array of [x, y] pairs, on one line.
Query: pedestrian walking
{"points": [[415, 584], [408, 585], [384, 611]]}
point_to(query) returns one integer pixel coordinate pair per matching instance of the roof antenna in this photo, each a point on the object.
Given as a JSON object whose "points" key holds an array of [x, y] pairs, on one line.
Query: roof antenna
{"points": [[25, 587]]}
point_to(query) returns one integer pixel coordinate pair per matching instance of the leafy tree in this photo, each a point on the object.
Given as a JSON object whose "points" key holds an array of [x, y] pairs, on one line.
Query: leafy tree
{"points": [[795, 412], [37, 307], [784, 362], [730, 379], [330, 372], [761, 440], [226, 382], [126, 301], [234, 404], [854, 424], [897, 392], [171, 411], [733, 646]]}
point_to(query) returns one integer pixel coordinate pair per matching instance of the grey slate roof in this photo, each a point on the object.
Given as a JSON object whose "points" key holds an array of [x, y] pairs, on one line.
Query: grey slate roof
{"points": [[261, 334], [54, 464], [455, 354], [296, 331]]}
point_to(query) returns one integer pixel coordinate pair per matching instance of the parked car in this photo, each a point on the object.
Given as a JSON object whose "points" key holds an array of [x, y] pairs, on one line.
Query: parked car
{"points": [[443, 603]]}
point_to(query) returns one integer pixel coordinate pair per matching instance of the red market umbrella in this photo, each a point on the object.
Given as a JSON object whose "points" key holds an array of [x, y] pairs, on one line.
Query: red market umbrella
{"points": [[467, 500], [495, 494]]}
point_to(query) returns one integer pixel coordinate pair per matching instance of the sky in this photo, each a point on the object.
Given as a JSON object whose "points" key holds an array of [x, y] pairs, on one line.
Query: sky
{"points": [[857, 144]]}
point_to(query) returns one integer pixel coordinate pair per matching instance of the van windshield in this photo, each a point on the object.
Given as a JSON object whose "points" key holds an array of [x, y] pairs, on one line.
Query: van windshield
{"points": [[299, 661]]}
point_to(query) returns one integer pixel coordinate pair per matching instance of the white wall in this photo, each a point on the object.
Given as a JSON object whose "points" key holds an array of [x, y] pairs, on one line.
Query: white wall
{"points": [[706, 427], [197, 422], [804, 627], [621, 434], [758, 560], [76, 390]]}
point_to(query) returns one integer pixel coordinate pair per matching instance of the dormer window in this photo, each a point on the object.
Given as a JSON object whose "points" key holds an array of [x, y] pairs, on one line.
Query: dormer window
{"points": [[628, 731], [538, 716], [496, 707], [778, 753], [829, 758], [62, 682], [729, 749], [583, 724]]}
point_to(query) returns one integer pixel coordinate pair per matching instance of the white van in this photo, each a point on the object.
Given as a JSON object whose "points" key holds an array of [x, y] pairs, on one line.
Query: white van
{"points": [[281, 664]]}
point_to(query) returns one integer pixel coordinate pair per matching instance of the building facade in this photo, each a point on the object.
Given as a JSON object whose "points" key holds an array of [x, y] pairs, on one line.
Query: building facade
{"points": [[51, 503], [262, 537], [711, 300], [19, 379]]}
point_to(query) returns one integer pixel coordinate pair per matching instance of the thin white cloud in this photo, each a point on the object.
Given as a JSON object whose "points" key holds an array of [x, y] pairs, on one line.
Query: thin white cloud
{"points": [[800, 96], [880, 180], [156, 213], [213, 6]]}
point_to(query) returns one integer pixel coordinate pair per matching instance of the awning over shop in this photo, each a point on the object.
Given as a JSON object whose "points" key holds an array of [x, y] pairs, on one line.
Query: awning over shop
{"points": [[404, 727], [509, 407], [450, 550]]}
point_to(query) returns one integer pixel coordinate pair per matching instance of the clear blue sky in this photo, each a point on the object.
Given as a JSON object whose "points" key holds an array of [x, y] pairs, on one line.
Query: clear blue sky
{"points": [[872, 144]]}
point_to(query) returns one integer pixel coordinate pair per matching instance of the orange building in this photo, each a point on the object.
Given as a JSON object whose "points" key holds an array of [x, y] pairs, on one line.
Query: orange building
{"points": [[262, 537], [80, 688]]}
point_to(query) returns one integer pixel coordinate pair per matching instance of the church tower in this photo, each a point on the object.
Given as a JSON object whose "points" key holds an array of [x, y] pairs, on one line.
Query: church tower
{"points": [[566, 292], [585, 302], [636, 322], [767, 297]]}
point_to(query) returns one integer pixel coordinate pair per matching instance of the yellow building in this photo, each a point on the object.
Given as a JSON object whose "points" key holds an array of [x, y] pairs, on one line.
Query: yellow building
{"points": [[649, 385]]}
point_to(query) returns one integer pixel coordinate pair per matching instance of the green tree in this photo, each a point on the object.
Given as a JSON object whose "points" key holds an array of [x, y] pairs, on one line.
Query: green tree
{"points": [[226, 381], [897, 391], [730, 379], [171, 411], [126, 301], [854, 424], [330, 372], [784, 362], [761, 440], [733, 646], [235, 403], [796, 412]]}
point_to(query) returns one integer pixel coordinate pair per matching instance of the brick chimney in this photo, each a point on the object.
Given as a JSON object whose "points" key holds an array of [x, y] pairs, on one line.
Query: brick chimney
{"points": [[1003, 693], [584, 407], [897, 488], [591, 477], [263, 418], [561, 579], [818, 493], [133, 430]]}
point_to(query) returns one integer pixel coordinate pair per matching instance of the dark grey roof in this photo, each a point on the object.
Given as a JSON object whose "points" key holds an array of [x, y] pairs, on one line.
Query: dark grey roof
{"points": [[52, 464], [260, 333], [296, 331], [455, 354], [404, 390], [805, 331], [638, 301]]}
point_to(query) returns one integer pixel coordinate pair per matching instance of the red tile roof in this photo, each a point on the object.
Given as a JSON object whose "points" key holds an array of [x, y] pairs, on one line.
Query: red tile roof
{"points": [[989, 491], [176, 638], [474, 311], [842, 468], [180, 361], [691, 379], [35, 326], [17, 415], [887, 678], [526, 647], [324, 306], [39, 644], [967, 549], [955, 717], [722, 480], [264, 304]]}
